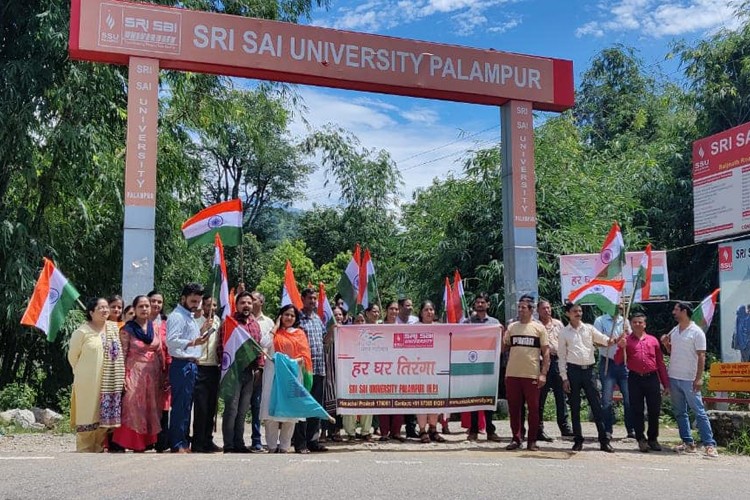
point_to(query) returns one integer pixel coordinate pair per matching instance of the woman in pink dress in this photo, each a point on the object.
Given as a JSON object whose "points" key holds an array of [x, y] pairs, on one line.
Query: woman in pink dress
{"points": [[143, 400]]}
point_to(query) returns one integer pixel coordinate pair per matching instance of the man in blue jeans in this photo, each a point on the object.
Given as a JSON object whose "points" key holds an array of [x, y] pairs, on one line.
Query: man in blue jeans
{"points": [[686, 344], [612, 373], [184, 341]]}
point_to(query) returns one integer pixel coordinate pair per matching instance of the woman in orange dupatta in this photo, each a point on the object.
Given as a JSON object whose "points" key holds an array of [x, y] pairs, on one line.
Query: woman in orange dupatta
{"points": [[290, 339]]}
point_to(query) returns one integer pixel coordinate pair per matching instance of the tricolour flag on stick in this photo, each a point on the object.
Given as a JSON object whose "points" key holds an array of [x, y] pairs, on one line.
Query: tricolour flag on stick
{"points": [[223, 218], [53, 297], [473, 354], [643, 277], [459, 297], [289, 398], [450, 312], [290, 293], [239, 350], [220, 284], [368, 288], [704, 313], [612, 256], [605, 294], [324, 307], [348, 285]]}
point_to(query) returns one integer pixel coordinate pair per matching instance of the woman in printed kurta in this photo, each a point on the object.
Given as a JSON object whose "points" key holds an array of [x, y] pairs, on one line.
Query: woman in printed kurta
{"points": [[96, 357], [144, 378], [290, 339]]}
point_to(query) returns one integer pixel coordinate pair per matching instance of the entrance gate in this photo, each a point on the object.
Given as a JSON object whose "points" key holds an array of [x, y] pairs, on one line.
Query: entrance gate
{"points": [[148, 38]]}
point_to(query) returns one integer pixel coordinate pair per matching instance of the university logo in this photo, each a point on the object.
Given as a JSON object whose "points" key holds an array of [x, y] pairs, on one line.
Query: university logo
{"points": [[725, 258]]}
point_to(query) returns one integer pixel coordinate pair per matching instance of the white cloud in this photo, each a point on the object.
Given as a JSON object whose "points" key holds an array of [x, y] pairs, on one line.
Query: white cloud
{"points": [[422, 146], [657, 18], [466, 16]]}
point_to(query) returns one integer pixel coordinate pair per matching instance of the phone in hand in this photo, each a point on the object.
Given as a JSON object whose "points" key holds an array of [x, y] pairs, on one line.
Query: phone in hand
{"points": [[208, 332]]}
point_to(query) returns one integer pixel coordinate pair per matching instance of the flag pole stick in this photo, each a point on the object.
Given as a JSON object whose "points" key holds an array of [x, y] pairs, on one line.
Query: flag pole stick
{"points": [[242, 256], [612, 332]]}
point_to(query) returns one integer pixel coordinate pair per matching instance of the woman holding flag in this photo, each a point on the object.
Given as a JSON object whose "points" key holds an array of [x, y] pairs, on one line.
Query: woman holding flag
{"points": [[289, 339]]}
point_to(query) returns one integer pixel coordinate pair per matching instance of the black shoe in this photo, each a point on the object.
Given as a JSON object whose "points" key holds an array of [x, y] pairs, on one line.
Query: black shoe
{"points": [[212, 448], [412, 434], [654, 445], [566, 432], [542, 436], [631, 435], [317, 448], [643, 446], [606, 447], [514, 445], [577, 446]]}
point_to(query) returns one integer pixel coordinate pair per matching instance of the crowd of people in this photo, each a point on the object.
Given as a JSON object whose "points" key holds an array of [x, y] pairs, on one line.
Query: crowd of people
{"points": [[147, 381]]}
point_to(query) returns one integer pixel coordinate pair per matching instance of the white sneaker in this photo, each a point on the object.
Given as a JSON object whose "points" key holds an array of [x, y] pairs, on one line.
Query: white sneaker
{"points": [[711, 452], [686, 448]]}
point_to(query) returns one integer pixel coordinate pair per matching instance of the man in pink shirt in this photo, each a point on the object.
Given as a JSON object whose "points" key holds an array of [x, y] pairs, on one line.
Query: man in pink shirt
{"points": [[646, 370]]}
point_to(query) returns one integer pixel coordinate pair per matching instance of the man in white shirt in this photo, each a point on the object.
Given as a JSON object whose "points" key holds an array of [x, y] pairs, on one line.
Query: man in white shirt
{"points": [[184, 341], [686, 344], [575, 352]]}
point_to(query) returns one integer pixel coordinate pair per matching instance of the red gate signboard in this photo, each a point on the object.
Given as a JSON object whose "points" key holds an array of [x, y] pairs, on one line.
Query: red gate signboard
{"points": [[112, 31], [149, 38]]}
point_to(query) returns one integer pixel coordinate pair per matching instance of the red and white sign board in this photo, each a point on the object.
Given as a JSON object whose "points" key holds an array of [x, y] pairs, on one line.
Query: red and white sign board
{"points": [[721, 184], [112, 31]]}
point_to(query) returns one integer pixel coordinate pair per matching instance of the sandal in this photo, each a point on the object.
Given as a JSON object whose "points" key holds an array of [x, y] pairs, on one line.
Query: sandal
{"points": [[398, 437], [336, 438], [424, 437], [384, 439], [434, 436]]}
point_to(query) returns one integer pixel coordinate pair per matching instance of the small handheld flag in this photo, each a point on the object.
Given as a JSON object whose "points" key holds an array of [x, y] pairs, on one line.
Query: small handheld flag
{"points": [[704, 313], [53, 297]]}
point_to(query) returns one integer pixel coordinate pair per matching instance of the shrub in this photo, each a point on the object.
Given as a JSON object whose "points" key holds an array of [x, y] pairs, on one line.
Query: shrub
{"points": [[17, 395]]}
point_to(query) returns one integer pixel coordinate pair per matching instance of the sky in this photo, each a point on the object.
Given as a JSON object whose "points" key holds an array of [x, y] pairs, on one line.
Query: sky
{"points": [[430, 139]]}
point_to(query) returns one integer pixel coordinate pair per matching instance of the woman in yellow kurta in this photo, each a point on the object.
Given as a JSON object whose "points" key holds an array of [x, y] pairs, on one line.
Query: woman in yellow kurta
{"points": [[96, 357]]}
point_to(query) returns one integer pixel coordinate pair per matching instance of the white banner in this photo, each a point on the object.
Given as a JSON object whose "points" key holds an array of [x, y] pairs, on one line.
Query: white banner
{"points": [[577, 270]]}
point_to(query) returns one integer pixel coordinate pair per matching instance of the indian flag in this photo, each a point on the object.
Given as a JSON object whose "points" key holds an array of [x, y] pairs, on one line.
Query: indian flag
{"points": [[368, 288], [474, 361], [223, 218], [473, 354], [220, 285], [612, 255], [348, 285], [53, 297], [459, 297], [239, 351], [324, 307], [289, 292], [450, 316], [704, 313], [605, 294], [643, 277]]}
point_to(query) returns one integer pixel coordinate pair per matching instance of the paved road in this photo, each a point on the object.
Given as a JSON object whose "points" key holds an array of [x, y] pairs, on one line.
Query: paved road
{"points": [[456, 470]]}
